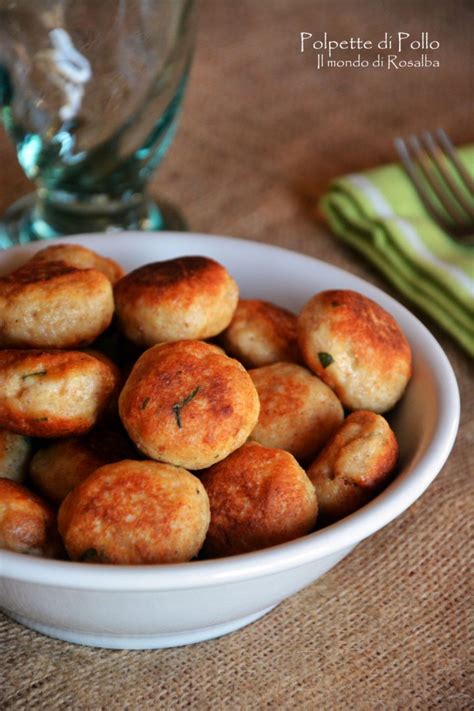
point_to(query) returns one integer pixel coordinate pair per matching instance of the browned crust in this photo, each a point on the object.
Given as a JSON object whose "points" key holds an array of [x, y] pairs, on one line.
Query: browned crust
{"points": [[372, 334], [128, 512], [259, 497], [27, 524], [184, 402], [345, 481], [286, 390], [30, 291], [59, 467], [51, 275], [59, 364], [76, 255], [282, 389], [57, 361], [172, 279], [276, 326]]}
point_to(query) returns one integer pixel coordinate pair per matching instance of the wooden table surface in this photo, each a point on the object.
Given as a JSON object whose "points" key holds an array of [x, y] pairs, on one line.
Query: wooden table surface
{"points": [[262, 133]]}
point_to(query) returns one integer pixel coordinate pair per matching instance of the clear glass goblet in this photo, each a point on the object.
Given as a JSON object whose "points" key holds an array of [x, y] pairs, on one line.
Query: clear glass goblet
{"points": [[90, 92]]}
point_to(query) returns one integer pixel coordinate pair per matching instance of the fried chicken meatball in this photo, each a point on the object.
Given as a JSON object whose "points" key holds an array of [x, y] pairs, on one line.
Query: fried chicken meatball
{"points": [[183, 298], [298, 412], [188, 405], [52, 305], [353, 465], [135, 512], [261, 333], [15, 454], [60, 466], [74, 255], [259, 497], [52, 393], [27, 524], [357, 348]]}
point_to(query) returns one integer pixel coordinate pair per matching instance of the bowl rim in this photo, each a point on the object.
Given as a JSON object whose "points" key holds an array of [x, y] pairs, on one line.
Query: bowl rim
{"points": [[401, 493]]}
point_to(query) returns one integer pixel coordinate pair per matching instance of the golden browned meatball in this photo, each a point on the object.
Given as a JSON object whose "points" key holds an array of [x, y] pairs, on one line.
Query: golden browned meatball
{"points": [[357, 348], [187, 405], [53, 305], [261, 333], [259, 497], [353, 465], [298, 412], [52, 393], [27, 524], [183, 298], [15, 454], [135, 512], [60, 466], [74, 255]]}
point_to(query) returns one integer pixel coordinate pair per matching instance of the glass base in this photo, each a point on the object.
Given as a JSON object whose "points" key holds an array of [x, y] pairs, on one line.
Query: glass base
{"points": [[26, 222]]}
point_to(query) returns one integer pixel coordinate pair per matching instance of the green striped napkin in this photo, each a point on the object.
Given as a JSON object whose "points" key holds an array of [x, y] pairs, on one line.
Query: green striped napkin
{"points": [[380, 214]]}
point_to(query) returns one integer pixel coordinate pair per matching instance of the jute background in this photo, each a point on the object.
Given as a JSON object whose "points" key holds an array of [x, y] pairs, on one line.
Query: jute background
{"points": [[262, 134]]}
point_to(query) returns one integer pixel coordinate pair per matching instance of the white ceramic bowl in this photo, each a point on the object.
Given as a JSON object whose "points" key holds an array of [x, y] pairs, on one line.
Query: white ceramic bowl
{"points": [[161, 606]]}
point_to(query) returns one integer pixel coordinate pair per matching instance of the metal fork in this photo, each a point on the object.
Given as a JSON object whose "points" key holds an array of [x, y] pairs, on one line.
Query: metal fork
{"points": [[432, 163]]}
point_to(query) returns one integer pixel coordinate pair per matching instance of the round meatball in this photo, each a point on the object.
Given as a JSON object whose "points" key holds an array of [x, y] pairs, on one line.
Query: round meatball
{"points": [[74, 255], [187, 405], [53, 393], [353, 465], [53, 305], [15, 454], [59, 467], [259, 497], [183, 298], [135, 512], [298, 412], [357, 348], [261, 333], [27, 524]]}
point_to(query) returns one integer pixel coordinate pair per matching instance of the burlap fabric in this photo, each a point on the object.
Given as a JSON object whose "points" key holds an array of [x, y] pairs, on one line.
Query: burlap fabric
{"points": [[262, 133]]}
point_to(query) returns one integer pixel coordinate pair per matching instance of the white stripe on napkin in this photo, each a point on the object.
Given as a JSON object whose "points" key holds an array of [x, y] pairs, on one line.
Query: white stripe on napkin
{"points": [[384, 209]]}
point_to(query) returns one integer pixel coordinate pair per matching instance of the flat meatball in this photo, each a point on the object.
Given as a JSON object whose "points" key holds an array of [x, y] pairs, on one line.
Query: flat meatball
{"points": [[188, 405], [58, 468], [298, 412], [259, 497], [135, 512], [74, 255], [357, 348], [27, 524], [53, 393], [15, 454], [183, 298], [354, 465], [261, 333], [53, 305]]}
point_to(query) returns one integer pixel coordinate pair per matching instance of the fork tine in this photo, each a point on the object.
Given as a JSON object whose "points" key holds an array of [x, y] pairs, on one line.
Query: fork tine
{"points": [[439, 159], [425, 197], [432, 178], [453, 155]]}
